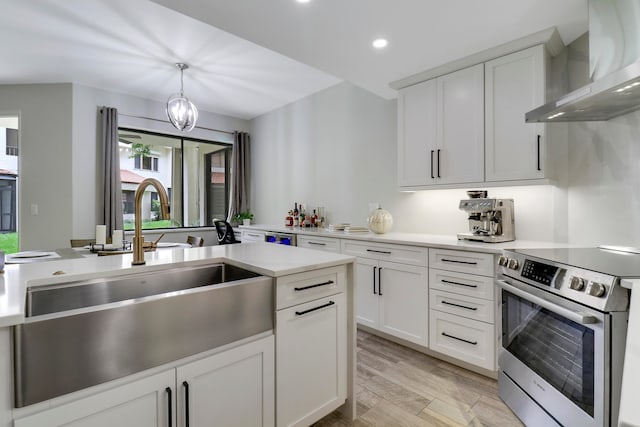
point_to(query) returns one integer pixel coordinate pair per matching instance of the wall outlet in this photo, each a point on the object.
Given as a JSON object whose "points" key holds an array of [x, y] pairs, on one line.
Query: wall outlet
{"points": [[34, 209]]}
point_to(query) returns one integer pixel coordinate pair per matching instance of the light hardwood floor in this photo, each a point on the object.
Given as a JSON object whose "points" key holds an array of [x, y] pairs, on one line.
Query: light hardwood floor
{"points": [[397, 386]]}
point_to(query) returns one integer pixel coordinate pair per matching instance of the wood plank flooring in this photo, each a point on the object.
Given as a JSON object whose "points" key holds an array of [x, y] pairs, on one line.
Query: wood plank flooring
{"points": [[398, 386]]}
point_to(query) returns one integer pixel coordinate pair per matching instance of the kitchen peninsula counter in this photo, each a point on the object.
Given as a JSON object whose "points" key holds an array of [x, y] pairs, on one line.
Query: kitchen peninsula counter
{"points": [[262, 258]]}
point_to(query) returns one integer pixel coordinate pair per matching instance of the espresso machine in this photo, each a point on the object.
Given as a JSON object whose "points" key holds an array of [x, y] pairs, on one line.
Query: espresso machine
{"points": [[490, 220]]}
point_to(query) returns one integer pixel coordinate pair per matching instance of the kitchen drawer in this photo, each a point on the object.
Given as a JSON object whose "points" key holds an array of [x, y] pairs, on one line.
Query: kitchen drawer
{"points": [[460, 305], [462, 283], [462, 261], [328, 244], [394, 253], [464, 339], [304, 287], [252, 236]]}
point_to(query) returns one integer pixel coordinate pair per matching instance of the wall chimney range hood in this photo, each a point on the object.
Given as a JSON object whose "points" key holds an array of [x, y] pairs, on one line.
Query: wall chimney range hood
{"points": [[614, 66]]}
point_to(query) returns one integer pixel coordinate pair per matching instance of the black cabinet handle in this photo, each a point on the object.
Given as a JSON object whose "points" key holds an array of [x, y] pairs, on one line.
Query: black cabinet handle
{"points": [[459, 262], [186, 403], [379, 281], [317, 243], [432, 164], [539, 153], [169, 403], [458, 305], [329, 304], [458, 283], [374, 280], [379, 252], [460, 339], [304, 288], [439, 163]]}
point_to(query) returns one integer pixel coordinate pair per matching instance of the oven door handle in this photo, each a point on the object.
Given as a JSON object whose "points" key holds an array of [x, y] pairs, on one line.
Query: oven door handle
{"points": [[581, 318]]}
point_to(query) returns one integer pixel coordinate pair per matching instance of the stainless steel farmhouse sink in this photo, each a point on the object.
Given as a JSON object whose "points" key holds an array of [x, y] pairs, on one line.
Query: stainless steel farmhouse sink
{"points": [[80, 334]]}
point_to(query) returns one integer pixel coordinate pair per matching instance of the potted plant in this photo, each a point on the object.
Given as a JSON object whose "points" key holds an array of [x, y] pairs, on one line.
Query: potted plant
{"points": [[244, 217]]}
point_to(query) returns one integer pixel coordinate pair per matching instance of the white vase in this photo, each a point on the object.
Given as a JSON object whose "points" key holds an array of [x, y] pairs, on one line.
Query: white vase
{"points": [[246, 222], [380, 221]]}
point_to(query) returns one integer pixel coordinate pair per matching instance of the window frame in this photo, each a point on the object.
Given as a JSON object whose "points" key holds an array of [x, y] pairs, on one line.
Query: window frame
{"points": [[228, 149]]}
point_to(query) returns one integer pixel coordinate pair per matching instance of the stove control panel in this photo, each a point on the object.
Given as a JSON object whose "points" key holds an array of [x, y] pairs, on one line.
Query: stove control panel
{"points": [[590, 288]]}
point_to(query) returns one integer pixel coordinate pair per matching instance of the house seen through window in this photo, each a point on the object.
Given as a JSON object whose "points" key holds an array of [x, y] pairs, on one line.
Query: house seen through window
{"points": [[195, 174]]}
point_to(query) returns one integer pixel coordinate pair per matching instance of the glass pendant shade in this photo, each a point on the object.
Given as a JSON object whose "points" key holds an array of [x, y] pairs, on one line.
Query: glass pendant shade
{"points": [[181, 112]]}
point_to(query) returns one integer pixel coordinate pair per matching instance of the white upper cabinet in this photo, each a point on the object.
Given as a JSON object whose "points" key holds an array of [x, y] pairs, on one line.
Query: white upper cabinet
{"points": [[441, 130], [460, 153], [515, 84], [417, 134]]}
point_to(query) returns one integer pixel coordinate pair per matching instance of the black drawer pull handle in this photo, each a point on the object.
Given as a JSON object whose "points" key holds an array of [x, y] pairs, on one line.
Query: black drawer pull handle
{"points": [[304, 288], [169, 403], [374, 280], [186, 403], [317, 243], [459, 262], [439, 163], [329, 304], [379, 252], [379, 281], [539, 168], [254, 235], [432, 164], [458, 305], [458, 283], [460, 339]]}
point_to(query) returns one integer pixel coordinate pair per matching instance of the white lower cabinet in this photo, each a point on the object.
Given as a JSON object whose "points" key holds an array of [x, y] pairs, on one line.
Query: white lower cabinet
{"points": [[393, 298], [468, 340], [462, 309], [311, 360], [232, 388]]}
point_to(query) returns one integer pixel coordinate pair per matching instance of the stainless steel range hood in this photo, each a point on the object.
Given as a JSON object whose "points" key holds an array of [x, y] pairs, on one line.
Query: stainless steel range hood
{"points": [[614, 66]]}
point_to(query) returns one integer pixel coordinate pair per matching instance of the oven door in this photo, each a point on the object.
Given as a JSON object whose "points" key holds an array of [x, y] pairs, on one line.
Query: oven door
{"points": [[556, 352]]}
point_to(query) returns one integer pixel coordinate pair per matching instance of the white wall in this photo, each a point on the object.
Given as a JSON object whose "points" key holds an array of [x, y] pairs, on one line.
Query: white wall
{"points": [[604, 191], [337, 148], [45, 161]]}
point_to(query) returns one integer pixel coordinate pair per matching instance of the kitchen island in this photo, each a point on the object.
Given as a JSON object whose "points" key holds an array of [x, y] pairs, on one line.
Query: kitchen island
{"points": [[287, 267]]}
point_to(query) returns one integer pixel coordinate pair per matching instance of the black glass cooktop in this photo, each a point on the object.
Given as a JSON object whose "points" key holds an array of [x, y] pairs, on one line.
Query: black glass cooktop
{"points": [[614, 263]]}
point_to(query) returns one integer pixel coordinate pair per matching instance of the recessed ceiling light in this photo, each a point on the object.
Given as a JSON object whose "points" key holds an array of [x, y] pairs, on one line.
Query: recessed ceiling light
{"points": [[380, 43], [303, 1]]}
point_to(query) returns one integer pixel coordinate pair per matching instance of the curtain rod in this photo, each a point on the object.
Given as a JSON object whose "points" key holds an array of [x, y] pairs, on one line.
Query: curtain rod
{"points": [[165, 121]]}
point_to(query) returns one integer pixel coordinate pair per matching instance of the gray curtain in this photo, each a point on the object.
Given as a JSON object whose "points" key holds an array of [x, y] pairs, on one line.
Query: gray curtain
{"points": [[112, 201], [240, 170]]}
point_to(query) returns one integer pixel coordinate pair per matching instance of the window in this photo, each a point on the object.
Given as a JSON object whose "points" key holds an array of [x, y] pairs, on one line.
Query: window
{"points": [[12, 142], [194, 173], [146, 163]]}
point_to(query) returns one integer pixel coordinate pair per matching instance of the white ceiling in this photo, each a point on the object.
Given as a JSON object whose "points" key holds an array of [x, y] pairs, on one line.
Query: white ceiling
{"points": [[130, 45]]}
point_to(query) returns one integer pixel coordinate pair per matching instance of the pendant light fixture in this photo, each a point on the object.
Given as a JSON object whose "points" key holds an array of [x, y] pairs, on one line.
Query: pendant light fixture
{"points": [[181, 112]]}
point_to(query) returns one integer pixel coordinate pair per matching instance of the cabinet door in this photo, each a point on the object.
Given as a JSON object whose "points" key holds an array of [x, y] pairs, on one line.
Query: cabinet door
{"points": [[514, 85], [232, 388], [404, 301], [367, 292], [311, 361], [460, 127], [416, 133], [142, 403]]}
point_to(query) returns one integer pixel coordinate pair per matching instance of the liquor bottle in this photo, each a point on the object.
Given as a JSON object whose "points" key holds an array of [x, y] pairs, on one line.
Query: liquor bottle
{"points": [[314, 219], [288, 221]]}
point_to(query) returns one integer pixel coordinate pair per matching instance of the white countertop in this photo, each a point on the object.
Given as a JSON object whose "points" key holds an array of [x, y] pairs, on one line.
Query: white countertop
{"points": [[414, 239], [263, 258], [629, 415]]}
